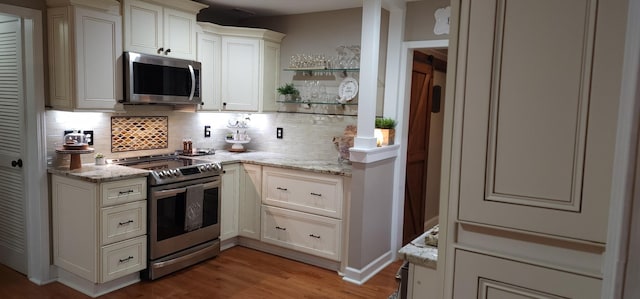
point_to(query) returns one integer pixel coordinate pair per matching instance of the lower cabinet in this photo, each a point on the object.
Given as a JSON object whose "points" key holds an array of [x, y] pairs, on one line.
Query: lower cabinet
{"points": [[302, 210], [308, 233], [241, 200], [230, 202], [99, 229], [483, 276], [250, 201]]}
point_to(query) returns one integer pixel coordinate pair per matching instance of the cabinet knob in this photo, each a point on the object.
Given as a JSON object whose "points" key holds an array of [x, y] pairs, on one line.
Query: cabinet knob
{"points": [[224, 104], [160, 50], [166, 52], [17, 163]]}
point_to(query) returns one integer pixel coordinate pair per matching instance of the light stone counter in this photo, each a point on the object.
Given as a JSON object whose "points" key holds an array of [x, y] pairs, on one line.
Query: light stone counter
{"points": [[110, 172], [100, 173], [280, 160], [419, 253]]}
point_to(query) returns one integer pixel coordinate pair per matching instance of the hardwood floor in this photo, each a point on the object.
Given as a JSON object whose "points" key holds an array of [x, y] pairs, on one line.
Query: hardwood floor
{"points": [[236, 273]]}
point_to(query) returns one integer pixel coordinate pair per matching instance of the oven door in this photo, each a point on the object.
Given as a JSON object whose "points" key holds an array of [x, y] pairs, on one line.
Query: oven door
{"points": [[167, 232]]}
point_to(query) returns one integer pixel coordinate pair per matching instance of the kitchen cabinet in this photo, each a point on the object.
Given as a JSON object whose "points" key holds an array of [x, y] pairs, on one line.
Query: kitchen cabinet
{"points": [[99, 229], [303, 211], [250, 201], [230, 201], [248, 70], [85, 50], [537, 110], [166, 28], [484, 276]]}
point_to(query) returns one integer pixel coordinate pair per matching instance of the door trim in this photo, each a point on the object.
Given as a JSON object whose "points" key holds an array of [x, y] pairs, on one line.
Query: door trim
{"points": [[625, 176], [36, 193], [402, 111]]}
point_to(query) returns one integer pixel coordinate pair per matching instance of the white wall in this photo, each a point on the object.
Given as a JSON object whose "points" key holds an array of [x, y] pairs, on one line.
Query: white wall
{"points": [[308, 136], [432, 205]]}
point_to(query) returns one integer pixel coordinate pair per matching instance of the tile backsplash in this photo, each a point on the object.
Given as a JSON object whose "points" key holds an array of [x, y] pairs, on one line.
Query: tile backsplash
{"points": [[304, 135], [134, 133]]}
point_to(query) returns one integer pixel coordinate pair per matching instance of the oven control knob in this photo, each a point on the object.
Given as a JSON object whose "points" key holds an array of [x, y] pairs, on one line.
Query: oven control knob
{"points": [[209, 167], [159, 173], [216, 167], [174, 172]]}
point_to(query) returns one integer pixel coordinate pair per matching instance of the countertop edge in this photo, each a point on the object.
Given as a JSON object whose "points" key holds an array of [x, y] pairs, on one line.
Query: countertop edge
{"points": [[417, 252], [111, 172]]}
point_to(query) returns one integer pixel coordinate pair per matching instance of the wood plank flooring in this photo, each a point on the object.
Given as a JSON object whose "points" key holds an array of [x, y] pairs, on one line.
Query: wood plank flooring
{"points": [[236, 273]]}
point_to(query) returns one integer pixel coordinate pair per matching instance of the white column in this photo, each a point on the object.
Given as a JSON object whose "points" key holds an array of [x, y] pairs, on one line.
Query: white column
{"points": [[370, 51]]}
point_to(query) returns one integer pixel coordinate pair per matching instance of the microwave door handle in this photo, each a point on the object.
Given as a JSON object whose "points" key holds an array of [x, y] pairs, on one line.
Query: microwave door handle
{"points": [[193, 83]]}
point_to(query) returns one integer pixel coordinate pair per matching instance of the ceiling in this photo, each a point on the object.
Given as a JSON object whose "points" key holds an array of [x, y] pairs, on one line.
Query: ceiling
{"points": [[279, 7]]}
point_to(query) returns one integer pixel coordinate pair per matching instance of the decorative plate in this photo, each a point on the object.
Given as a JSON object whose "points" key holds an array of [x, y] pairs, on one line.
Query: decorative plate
{"points": [[347, 90]]}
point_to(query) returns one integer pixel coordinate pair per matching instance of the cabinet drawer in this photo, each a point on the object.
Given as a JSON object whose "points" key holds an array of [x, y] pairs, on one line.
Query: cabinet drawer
{"points": [[123, 191], [482, 276], [122, 222], [123, 258], [303, 191], [312, 234]]}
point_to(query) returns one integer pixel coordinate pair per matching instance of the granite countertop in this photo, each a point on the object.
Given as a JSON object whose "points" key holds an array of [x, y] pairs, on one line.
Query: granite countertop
{"points": [[419, 253], [280, 160], [110, 172], [100, 173]]}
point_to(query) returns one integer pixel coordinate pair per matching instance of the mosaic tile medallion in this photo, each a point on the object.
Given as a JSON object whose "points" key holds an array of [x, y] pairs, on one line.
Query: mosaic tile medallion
{"points": [[134, 133]]}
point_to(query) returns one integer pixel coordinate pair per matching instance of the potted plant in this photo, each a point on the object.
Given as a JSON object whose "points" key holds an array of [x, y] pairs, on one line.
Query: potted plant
{"points": [[385, 130], [100, 159], [289, 91]]}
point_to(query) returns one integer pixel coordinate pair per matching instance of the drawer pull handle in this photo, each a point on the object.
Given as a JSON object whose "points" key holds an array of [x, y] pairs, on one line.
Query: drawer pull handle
{"points": [[281, 228], [125, 259], [281, 189], [316, 194], [125, 223], [314, 236], [125, 192]]}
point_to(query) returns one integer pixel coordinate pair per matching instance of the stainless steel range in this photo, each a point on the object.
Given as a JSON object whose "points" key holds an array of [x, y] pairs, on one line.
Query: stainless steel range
{"points": [[183, 211]]}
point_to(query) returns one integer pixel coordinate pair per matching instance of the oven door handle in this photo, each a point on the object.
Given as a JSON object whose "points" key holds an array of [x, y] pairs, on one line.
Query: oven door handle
{"points": [[168, 192], [173, 192]]}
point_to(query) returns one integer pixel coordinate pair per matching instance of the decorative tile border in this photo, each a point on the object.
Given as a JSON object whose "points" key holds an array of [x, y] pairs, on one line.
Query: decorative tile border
{"points": [[134, 133]]}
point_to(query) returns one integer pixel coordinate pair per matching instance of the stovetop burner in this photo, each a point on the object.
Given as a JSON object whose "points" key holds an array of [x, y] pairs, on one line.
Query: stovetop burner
{"points": [[172, 168]]}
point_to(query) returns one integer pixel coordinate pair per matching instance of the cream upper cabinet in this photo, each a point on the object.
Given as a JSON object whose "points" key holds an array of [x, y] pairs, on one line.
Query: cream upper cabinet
{"points": [[241, 69], [536, 100], [85, 51], [248, 71], [209, 49], [161, 27]]}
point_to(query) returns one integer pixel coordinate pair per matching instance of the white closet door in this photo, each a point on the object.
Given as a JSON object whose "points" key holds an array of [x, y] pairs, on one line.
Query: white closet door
{"points": [[12, 198]]}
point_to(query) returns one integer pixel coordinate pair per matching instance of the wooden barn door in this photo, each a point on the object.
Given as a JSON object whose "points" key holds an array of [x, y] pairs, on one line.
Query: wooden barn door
{"points": [[418, 146]]}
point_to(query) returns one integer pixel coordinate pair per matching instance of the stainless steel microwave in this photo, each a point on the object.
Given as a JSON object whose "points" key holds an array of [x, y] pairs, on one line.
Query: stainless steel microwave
{"points": [[151, 79]]}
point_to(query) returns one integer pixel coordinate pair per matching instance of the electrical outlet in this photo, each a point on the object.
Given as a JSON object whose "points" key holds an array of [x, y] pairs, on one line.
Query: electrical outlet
{"points": [[279, 133], [207, 131]]}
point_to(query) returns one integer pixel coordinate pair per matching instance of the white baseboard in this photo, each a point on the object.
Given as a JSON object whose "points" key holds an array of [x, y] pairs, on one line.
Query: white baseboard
{"points": [[360, 276], [93, 289]]}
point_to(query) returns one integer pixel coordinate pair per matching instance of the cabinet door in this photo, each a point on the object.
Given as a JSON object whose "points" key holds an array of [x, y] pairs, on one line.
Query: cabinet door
{"points": [[74, 218], [271, 75], [482, 276], [98, 38], [143, 30], [209, 56], [250, 201], [179, 34], [60, 67], [240, 73], [539, 114], [230, 201]]}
